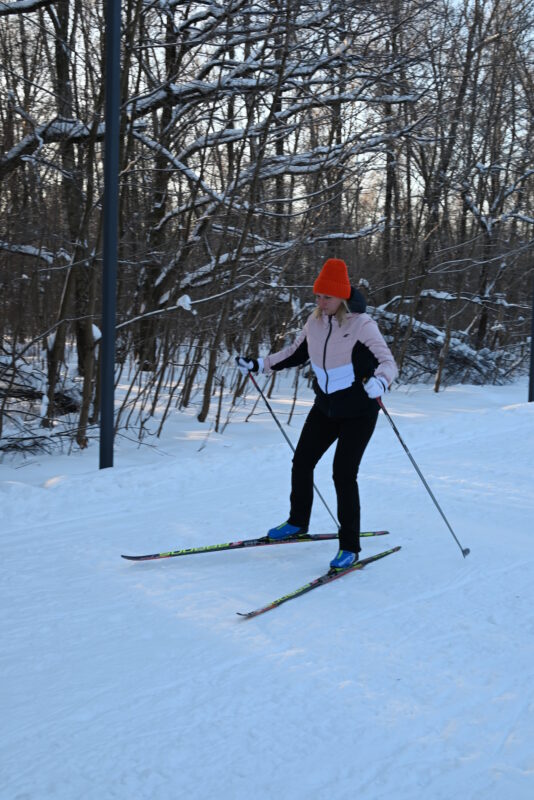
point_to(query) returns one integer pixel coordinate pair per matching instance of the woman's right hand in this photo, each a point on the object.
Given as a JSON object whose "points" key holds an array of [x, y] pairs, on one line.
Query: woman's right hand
{"points": [[246, 365]]}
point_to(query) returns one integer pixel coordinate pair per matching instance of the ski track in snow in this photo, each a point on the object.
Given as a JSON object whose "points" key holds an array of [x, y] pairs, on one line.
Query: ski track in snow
{"points": [[412, 678]]}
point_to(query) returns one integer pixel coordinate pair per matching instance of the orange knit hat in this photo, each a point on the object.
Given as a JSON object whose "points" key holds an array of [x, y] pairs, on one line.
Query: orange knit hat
{"points": [[333, 279]]}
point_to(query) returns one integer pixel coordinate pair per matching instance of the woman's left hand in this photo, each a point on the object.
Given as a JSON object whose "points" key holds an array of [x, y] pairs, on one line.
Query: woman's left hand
{"points": [[375, 387]]}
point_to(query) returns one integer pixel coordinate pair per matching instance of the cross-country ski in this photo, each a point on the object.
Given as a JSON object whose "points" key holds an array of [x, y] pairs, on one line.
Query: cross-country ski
{"points": [[328, 577], [263, 541]]}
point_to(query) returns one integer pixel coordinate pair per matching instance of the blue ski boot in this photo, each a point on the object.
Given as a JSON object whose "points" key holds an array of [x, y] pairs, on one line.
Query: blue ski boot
{"points": [[344, 560], [284, 531]]}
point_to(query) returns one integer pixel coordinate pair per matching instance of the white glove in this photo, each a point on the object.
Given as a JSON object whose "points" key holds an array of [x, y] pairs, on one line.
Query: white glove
{"points": [[375, 387], [246, 365]]}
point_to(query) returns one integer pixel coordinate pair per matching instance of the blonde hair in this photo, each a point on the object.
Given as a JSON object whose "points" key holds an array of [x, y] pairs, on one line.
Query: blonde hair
{"points": [[340, 314]]}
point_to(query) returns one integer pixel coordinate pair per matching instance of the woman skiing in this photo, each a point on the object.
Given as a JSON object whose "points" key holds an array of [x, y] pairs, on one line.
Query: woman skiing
{"points": [[353, 367]]}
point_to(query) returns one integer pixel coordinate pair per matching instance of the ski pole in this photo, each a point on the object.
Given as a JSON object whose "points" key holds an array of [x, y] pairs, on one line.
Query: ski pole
{"points": [[465, 550], [288, 440]]}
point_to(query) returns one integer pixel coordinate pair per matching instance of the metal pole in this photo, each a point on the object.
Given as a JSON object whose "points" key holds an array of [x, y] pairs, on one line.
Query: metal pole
{"points": [[465, 550], [288, 440], [110, 226]]}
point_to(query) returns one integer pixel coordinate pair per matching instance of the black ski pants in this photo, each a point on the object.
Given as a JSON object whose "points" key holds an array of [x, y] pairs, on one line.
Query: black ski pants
{"points": [[318, 434]]}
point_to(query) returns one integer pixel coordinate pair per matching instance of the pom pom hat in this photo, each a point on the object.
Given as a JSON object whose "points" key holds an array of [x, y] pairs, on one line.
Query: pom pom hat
{"points": [[333, 279]]}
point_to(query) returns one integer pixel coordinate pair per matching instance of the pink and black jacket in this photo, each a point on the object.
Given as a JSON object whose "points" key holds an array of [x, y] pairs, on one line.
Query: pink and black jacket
{"points": [[341, 358]]}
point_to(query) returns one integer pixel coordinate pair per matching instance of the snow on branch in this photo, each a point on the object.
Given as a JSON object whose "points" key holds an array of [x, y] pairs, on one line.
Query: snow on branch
{"points": [[37, 252], [251, 77], [179, 165], [368, 230], [184, 302], [23, 6], [202, 274], [507, 191], [463, 363], [521, 217], [497, 300], [49, 132]]}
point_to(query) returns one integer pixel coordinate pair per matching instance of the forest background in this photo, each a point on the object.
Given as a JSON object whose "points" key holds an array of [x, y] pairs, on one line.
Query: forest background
{"points": [[258, 139]]}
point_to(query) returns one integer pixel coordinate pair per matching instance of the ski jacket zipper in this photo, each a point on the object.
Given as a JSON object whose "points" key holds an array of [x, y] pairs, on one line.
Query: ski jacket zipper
{"points": [[324, 353]]}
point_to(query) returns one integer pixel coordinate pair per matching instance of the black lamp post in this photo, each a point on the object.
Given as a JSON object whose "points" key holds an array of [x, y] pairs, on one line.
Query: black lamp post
{"points": [[110, 227]]}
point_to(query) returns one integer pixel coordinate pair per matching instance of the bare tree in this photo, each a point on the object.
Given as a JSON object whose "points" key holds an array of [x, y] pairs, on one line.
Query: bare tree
{"points": [[256, 140]]}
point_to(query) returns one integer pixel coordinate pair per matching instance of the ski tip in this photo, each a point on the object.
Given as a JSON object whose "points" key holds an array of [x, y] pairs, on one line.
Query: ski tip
{"points": [[143, 558]]}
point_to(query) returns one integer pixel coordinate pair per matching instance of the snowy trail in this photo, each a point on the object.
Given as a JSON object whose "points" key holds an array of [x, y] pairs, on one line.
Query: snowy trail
{"points": [[412, 678]]}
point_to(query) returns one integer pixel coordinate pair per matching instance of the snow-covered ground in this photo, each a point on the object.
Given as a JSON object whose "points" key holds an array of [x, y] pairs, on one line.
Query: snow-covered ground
{"points": [[411, 679]]}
